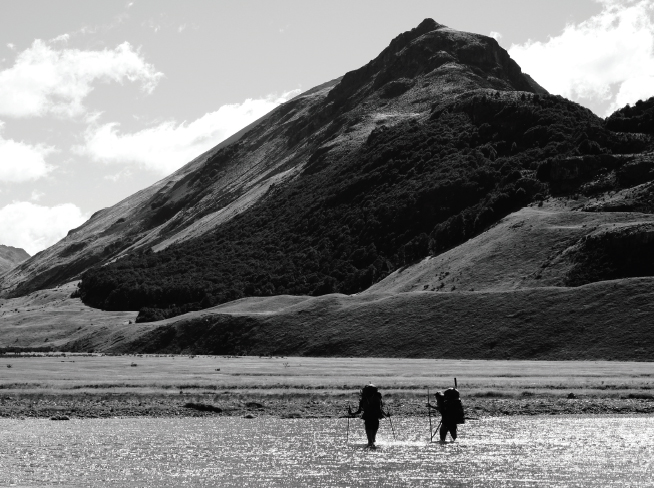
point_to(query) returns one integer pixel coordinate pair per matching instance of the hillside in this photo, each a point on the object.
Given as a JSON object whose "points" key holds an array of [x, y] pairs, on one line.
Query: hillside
{"points": [[343, 224], [10, 257], [390, 179], [50, 318], [499, 320], [537, 246], [599, 321]]}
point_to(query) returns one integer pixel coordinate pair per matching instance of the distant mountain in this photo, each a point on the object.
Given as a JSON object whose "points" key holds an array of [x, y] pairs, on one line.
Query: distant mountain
{"points": [[355, 182], [10, 257]]}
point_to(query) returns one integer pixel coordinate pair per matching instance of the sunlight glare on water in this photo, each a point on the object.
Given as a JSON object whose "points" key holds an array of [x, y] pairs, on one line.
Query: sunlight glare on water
{"points": [[515, 451]]}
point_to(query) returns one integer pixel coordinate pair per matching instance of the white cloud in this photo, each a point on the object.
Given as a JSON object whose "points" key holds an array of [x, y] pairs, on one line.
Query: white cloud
{"points": [[22, 162], [495, 35], [64, 38], [36, 195], [35, 227], [602, 62], [168, 146], [46, 81]]}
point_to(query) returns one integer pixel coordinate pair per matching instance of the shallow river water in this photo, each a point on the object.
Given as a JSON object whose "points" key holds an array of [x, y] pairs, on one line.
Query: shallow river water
{"points": [[516, 451]]}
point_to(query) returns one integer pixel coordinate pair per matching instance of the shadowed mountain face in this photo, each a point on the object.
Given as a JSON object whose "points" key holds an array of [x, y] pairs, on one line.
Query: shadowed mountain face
{"points": [[434, 141], [10, 257]]}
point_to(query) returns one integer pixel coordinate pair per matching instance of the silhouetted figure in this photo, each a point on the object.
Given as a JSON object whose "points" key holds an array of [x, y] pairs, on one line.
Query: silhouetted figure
{"points": [[450, 407], [370, 403]]}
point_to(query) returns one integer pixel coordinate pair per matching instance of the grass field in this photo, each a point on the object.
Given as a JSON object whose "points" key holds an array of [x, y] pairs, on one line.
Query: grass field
{"points": [[153, 373], [77, 385]]}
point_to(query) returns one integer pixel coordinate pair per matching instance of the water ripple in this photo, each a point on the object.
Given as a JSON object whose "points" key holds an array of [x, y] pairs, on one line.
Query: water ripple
{"points": [[514, 451]]}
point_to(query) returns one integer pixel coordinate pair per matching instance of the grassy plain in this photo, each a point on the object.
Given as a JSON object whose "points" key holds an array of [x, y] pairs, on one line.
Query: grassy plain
{"points": [[156, 385]]}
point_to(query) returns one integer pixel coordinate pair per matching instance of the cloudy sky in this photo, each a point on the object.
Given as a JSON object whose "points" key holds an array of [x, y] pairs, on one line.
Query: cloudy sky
{"points": [[101, 99]]}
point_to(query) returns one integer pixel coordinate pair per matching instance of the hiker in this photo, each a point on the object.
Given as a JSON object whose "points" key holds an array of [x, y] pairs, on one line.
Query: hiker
{"points": [[372, 407], [448, 404]]}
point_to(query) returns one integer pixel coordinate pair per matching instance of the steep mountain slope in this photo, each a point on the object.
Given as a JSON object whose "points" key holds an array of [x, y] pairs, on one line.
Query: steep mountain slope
{"points": [[138, 221], [10, 257], [428, 64], [348, 220]]}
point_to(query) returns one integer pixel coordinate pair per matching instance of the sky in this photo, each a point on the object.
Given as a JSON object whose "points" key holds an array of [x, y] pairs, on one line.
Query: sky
{"points": [[101, 99]]}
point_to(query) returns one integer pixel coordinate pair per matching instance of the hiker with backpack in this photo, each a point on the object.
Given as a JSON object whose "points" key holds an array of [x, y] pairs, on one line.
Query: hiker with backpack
{"points": [[448, 404], [370, 403]]}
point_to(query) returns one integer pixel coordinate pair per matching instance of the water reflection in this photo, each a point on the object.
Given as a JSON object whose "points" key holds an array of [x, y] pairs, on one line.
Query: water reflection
{"points": [[533, 451]]}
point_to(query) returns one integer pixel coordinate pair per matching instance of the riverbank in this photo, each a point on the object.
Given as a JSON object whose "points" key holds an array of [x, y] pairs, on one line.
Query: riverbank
{"points": [[88, 386], [294, 405]]}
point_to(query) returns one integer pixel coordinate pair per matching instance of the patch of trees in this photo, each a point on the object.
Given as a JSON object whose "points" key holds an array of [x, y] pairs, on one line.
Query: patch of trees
{"points": [[636, 118], [414, 189]]}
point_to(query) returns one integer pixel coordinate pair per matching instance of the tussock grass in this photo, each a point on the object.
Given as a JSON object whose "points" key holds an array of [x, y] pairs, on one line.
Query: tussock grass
{"points": [[319, 378]]}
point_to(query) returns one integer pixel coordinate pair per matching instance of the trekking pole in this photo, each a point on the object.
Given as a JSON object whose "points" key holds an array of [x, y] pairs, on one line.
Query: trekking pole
{"points": [[347, 436], [431, 436], [392, 428], [455, 386]]}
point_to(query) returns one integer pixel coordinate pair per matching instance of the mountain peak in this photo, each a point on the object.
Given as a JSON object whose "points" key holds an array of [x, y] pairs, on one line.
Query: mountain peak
{"points": [[405, 38], [449, 61]]}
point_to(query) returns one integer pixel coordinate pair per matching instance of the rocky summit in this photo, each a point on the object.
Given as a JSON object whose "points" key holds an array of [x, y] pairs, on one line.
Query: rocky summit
{"points": [[438, 177]]}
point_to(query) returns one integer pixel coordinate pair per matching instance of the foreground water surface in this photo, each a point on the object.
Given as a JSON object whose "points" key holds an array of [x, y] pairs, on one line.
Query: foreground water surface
{"points": [[223, 451]]}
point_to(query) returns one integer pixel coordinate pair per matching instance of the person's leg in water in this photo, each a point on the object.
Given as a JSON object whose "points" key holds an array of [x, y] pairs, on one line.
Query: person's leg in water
{"points": [[453, 431], [443, 431], [372, 426]]}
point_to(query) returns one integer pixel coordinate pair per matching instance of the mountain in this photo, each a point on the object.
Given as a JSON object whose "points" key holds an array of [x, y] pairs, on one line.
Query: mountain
{"points": [[426, 65], [10, 257], [409, 198]]}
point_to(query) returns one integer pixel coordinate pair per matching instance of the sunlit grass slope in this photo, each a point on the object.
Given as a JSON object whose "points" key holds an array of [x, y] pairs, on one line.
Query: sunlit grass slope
{"points": [[529, 248], [51, 318], [607, 320]]}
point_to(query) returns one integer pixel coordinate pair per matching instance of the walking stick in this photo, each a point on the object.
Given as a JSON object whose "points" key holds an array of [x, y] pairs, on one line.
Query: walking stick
{"points": [[431, 436], [347, 436], [392, 428]]}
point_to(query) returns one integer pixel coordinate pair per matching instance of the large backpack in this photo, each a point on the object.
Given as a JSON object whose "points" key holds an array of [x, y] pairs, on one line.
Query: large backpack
{"points": [[451, 407], [371, 402]]}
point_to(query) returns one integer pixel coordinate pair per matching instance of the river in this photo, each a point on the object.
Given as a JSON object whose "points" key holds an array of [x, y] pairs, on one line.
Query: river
{"points": [[227, 451]]}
